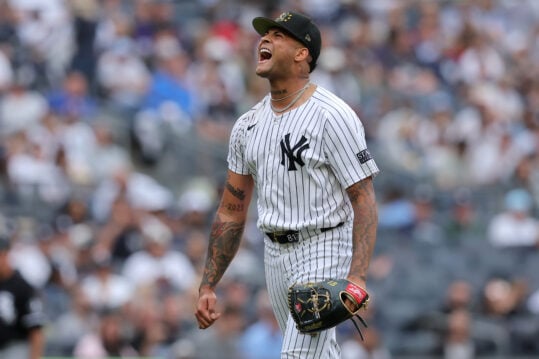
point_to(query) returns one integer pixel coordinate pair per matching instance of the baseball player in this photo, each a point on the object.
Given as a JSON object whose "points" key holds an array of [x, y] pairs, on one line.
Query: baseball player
{"points": [[304, 151], [21, 312]]}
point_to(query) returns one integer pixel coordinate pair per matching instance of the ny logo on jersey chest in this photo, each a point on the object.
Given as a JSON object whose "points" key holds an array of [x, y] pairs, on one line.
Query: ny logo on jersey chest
{"points": [[293, 153]]}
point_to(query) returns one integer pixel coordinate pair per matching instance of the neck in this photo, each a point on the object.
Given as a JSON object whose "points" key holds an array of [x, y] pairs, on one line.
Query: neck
{"points": [[286, 96], [281, 89]]}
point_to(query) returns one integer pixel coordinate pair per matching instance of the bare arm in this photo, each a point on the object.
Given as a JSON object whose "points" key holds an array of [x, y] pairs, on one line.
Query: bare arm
{"points": [[227, 228], [35, 343], [363, 200], [225, 239]]}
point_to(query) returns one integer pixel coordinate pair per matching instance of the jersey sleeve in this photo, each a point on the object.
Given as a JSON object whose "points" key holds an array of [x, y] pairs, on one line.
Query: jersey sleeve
{"points": [[31, 311], [346, 147], [236, 148], [33, 315]]}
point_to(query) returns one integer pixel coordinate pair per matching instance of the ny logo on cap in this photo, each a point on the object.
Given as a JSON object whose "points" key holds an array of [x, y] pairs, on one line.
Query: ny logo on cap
{"points": [[284, 17], [308, 38]]}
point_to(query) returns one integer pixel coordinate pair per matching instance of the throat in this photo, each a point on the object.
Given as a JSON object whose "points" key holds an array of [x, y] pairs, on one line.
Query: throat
{"points": [[297, 94], [279, 92], [284, 93]]}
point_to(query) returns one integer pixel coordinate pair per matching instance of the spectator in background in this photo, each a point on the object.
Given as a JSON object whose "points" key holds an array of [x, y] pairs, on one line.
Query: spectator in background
{"points": [[195, 248], [45, 29], [515, 226], [502, 302], [21, 109], [141, 191], [169, 104], [79, 143], [122, 75], [458, 341], [77, 321], [109, 340], [105, 289], [109, 155], [157, 266], [371, 347], [223, 339], [72, 99], [262, 339], [26, 255], [168, 93], [33, 174], [158, 320], [6, 70], [336, 75], [397, 212], [464, 225], [118, 235], [480, 61], [85, 15], [218, 81], [21, 313]]}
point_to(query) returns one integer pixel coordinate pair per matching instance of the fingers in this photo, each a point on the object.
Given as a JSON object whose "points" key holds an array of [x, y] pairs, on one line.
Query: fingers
{"points": [[206, 313], [352, 306]]}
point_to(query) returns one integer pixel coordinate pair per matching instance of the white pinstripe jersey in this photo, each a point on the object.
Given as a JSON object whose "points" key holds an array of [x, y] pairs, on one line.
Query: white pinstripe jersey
{"points": [[302, 161]]}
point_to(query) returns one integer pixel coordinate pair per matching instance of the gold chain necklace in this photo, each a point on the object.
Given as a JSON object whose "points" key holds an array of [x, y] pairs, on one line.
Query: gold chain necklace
{"points": [[293, 102]]}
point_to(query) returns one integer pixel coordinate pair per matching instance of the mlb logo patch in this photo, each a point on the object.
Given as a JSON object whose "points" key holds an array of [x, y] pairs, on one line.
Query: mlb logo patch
{"points": [[364, 156]]}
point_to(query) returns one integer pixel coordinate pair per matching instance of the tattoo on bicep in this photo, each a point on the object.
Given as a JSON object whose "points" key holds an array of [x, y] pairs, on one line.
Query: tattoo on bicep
{"points": [[236, 192], [225, 240]]}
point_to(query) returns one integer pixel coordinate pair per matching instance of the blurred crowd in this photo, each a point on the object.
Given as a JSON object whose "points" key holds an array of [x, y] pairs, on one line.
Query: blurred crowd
{"points": [[114, 122]]}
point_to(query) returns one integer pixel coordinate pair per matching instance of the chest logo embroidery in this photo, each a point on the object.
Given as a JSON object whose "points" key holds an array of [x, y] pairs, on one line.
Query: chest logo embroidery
{"points": [[293, 153]]}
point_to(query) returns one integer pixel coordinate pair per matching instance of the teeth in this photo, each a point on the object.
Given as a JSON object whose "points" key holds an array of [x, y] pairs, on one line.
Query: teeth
{"points": [[265, 51]]}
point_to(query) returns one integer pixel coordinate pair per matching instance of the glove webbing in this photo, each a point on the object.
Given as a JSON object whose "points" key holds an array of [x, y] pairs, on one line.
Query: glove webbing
{"points": [[362, 321]]}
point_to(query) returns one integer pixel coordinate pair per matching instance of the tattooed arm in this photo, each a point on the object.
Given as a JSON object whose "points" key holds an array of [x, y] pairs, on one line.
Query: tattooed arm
{"points": [[225, 238], [361, 195]]}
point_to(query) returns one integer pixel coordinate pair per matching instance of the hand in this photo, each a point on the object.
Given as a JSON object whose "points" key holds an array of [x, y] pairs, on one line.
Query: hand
{"points": [[359, 281], [206, 308], [350, 305]]}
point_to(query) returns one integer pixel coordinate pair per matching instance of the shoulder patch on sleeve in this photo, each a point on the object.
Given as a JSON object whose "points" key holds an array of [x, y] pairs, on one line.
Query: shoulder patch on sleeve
{"points": [[364, 156]]}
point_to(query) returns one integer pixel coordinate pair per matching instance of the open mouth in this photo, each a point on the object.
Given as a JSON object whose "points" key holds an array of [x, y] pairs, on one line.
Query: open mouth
{"points": [[264, 54]]}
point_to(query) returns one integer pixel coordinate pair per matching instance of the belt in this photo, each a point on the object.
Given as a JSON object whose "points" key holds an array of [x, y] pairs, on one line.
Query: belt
{"points": [[284, 237]]}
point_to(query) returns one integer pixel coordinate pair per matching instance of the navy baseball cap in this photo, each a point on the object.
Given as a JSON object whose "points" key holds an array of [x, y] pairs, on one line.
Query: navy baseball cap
{"points": [[299, 26]]}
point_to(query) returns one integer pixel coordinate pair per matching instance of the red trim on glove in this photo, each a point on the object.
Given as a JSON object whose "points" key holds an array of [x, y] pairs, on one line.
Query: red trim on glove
{"points": [[357, 292]]}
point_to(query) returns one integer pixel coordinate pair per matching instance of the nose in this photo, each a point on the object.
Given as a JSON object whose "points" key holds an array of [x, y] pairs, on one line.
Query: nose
{"points": [[264, 38]]}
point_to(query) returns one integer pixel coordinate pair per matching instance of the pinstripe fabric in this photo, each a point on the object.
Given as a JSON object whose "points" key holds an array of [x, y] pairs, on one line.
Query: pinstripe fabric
{"points": [[314, 195], [302, 161], [314, 258]]}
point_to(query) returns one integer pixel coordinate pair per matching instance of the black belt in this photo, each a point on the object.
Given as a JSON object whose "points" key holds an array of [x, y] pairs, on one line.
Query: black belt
{"points": [[283, 237]]}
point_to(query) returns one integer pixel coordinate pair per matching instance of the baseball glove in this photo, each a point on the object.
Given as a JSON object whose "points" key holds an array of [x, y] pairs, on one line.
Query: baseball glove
{"points": [[321, 305]]}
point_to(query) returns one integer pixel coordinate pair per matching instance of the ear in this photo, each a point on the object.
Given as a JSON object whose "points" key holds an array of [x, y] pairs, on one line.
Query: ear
{"points": [[302, 53]]}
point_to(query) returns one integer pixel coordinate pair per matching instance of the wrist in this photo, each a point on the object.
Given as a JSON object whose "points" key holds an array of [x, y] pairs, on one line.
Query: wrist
{"points": [[205, 287], [360, 281]]}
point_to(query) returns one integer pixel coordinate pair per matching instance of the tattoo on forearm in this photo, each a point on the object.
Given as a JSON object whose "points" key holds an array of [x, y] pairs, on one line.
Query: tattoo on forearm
{"points": [[365, 224], [236, 192], [225, 240], [234, 207]]}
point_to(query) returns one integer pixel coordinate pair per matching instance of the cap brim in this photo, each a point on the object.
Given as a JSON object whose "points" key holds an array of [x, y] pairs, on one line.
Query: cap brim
{"points": [[263, 24]]}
